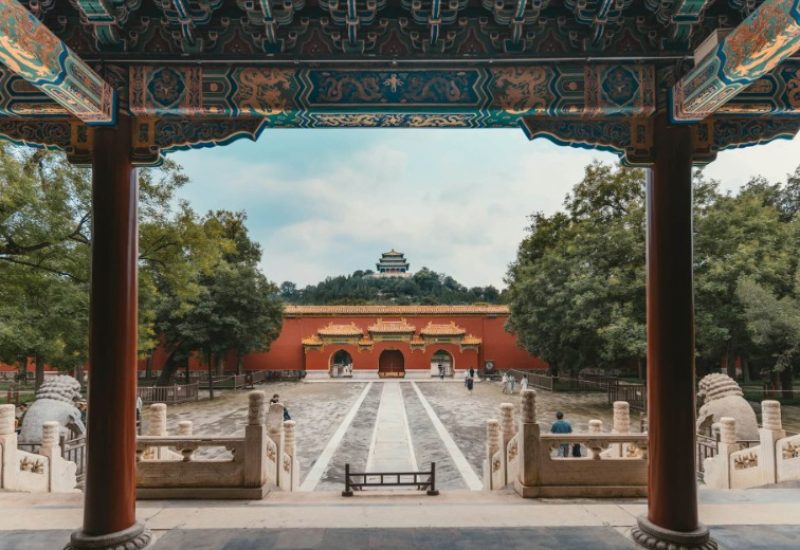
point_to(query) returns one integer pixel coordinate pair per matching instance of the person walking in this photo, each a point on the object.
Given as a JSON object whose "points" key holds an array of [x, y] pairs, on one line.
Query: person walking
{"points": [[470, 384], [523, 384], [466, 378], [561, 426], [441, 372], [512, 383], [504, 381]]}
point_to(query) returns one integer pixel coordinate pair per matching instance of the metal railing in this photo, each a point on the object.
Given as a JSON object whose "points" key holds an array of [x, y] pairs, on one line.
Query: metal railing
{"points": [[634, 394], [169, 394], [390, 479]]}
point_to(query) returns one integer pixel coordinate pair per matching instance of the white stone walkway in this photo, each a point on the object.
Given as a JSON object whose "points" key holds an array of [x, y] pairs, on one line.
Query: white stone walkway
{"points": [[391, 449], [321, 465], [467, 473]]}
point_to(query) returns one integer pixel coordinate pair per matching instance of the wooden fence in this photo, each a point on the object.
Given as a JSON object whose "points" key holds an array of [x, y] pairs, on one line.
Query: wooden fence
{"points": [[179, 393]]}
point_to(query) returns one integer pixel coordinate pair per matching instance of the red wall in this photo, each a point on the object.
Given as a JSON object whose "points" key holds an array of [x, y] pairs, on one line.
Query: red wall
{"points": [[286, 352]]}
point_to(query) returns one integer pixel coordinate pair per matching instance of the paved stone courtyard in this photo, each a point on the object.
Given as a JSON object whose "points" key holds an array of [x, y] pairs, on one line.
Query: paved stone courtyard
{"points": [[755, 519], [426, 420]]}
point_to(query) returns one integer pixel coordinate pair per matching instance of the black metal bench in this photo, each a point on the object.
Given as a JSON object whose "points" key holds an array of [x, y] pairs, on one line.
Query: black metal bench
{"points": [[423, 481]]}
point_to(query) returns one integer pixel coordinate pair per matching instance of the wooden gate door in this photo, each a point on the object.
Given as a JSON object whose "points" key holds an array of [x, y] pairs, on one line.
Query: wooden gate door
{"points": [[391, 364]]}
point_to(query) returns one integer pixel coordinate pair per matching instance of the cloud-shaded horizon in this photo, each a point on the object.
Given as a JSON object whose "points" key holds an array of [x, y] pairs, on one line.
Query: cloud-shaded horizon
{"points": [[328, 202]]}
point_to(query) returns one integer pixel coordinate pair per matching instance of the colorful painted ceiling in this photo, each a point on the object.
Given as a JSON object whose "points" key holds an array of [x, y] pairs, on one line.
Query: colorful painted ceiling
{"points": [[587, 73]]}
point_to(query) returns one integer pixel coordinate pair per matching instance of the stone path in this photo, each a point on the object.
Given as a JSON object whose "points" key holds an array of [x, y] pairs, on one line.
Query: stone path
{"points": [[391, 449], [322, 462], [467, 473]]}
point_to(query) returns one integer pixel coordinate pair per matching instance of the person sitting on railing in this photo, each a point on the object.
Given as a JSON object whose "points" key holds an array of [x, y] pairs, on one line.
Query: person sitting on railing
{"points": [[276, 399], [561, 426]]}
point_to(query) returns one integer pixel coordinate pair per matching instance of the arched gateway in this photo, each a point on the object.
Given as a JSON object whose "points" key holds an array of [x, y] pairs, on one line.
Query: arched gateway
{"points": [[391, 364], [658, 82]]}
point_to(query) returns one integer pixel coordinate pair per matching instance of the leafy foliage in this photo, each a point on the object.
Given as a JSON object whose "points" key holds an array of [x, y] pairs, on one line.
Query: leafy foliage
{"points": [[576, 289], [362, 287], [185, 263]]}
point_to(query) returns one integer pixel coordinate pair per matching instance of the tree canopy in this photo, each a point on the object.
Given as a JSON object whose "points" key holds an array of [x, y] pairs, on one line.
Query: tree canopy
{"points": [[184, 261], [362, 287], [576, 288]]}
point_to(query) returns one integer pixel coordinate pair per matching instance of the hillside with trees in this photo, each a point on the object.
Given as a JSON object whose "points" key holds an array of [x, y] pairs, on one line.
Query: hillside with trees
{"points": [[576, 290], [362, 287]]}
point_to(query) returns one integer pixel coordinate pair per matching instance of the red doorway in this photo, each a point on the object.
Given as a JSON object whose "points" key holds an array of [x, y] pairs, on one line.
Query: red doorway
{"points": [[391, 364]]}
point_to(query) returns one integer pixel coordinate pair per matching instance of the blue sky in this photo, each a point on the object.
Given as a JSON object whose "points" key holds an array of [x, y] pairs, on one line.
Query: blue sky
{"points": [[328, 202]]}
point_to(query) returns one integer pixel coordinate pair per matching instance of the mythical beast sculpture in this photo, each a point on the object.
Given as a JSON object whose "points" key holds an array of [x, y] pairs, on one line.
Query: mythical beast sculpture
{"points": [[55, 401], [719, 395]]}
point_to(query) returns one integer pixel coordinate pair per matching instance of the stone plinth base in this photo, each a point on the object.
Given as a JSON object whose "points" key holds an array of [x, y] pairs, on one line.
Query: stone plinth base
{"points": [[134, 537], [576, 491], [202, 493], [418, 374], [651, 536], [359, 374], [317, 375]]}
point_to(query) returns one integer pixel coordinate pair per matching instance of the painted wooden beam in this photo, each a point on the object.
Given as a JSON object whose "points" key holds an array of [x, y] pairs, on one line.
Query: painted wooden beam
{"points": [[32, 51], [754, 48]]}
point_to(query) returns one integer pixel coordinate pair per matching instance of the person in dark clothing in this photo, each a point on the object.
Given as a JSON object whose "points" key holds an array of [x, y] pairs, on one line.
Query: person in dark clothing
{"points": [[276, 399], [470, 383], [471, 372], [441, 371], [561, 426]]}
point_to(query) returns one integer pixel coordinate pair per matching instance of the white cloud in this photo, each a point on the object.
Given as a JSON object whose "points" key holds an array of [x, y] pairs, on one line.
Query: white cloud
{"points": [[454, 201]]}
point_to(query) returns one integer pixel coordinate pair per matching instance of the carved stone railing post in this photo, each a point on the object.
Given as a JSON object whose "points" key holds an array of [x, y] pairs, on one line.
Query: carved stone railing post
{"points": [[622, 418], [156, 426], [185, 428], [595, 426], [288, 437], [275, 434], [255, 474], [157, 420], [61, 473], [717, 469], [770, 432], [529, 445], [493, 439], [8, 447], [291, 468], [621, 425], [508, 429]]}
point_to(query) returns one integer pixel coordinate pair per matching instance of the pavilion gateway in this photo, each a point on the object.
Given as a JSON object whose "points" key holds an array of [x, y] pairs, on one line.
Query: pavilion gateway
{"points": [[118, 83]]}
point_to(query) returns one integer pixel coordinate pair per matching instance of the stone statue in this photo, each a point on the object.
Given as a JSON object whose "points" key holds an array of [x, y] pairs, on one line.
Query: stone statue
{"points": [[719, 395], [55, 401]]}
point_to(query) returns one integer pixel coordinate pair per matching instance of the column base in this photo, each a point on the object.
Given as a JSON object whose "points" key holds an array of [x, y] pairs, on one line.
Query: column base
{"points": [[135, 537], [651, 536]]}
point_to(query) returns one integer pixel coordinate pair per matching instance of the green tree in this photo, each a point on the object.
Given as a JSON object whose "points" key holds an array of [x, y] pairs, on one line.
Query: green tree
{"points": [[774, 326], [576, 289], [736, 236], [230, 307]]}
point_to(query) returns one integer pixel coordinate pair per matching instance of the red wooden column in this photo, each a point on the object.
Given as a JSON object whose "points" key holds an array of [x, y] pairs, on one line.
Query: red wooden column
{"points": [[672, 486], [109, 519]]}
